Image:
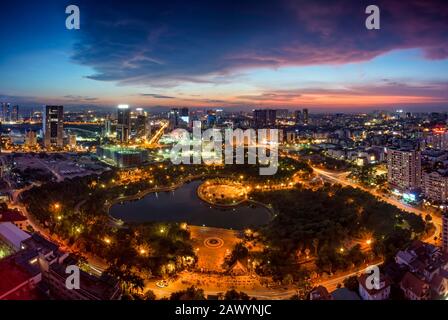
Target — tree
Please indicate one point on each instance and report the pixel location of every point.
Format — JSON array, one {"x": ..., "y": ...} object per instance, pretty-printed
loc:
[
  {"x": 149, "y": 295},
  {"x": 190, "y": 293},
  {"x": 235, "y": 295},
  {"x": 351, "y": 283}
]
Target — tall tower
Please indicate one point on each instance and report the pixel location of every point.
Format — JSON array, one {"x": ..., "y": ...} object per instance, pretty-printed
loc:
[
  {"x": 53, "y": 126},
  {"x": 305, "y": 116},
  {"x": 15, "y": 113},
  {"x": 174, "y": 117},
  {"x": 5, "y": 116},
  {"x": 141, "y": 126},
  {"x": 298, "y": 116},
  {"x": 404, "y": 169},
  {"x": 123, "y": 123}
]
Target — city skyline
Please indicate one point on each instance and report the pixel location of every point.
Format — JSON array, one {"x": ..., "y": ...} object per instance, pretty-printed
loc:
[{"x": 260, "y": 54}]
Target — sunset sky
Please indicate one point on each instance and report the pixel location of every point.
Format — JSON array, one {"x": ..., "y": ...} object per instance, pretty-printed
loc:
[{"x": 240, "y": 54}]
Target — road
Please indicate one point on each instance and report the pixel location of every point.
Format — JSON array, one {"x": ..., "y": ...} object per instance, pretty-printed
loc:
[{"x": 155, "y": 138}]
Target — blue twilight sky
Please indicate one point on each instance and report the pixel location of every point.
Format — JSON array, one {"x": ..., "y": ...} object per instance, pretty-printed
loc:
[{"x": 240, "y": 54}]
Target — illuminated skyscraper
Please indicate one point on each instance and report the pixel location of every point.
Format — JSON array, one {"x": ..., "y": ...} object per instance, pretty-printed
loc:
[
  {"x": 53, "y": 126},
  {"x": 123, "y": 123}
]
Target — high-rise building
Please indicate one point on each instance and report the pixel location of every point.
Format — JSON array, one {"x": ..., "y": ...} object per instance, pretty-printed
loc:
[
  {"x": 403, "y": 169},
  {"x": 14, "y": 117},
  {"x": 264, "y": 118},
  {"x": 435, "y": 186},
  {"x": 107, "y": 130},
  {"x": 282, "y": 113},
  {"x": 173, "y": 118},
  {"x": 123, "y": 123},
  {"x": 306, "y": 118},
  {"x": 184, "y": 115},
  {"x": 53, "y": 126},
  {"x": 5, "y": 112},
  {"x": 298, "y": 116},
  {"x": 141, "y": 126}
]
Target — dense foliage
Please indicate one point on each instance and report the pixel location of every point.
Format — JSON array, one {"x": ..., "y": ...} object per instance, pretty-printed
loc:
[{"x": 319, "y": 222}]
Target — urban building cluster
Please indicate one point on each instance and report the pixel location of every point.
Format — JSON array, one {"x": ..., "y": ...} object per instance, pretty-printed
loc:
[{"x": 36, "y": 269}]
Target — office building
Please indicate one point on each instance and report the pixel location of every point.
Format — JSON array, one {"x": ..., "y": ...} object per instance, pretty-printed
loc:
[
  {"x": 403, "y": 169},
  {"x": 53, "y": 126},
  {"x": 5, "y": 112},
  {"x": 264, "y": 118},
  {"x": 173, "y": 118},
  {"x": 123, "y": 123},
  {"x": 122, "y": 157},
  {"x": 298, "y": 116},
  {"x": 107, "y": 129},
  {"x": 306, "y": 118},
  {"x": 142, "y": 127},
  {"x": 14, "y": 117}
]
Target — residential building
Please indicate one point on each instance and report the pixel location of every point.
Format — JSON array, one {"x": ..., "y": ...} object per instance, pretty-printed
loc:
[
  {"x": 435, "y": 186},
  {"x": 13, "y": 235},
  {"x": 13, "y": 216},
  {"x": 320, "y": 293},
  {"x": 415, "y": 288},
  {"x": 382, "y": 293},
  {"x": 403, "y": 169}
]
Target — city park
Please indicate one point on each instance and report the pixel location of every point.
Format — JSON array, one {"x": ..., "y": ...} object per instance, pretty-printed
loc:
[{"x": 303, "y": 244}]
